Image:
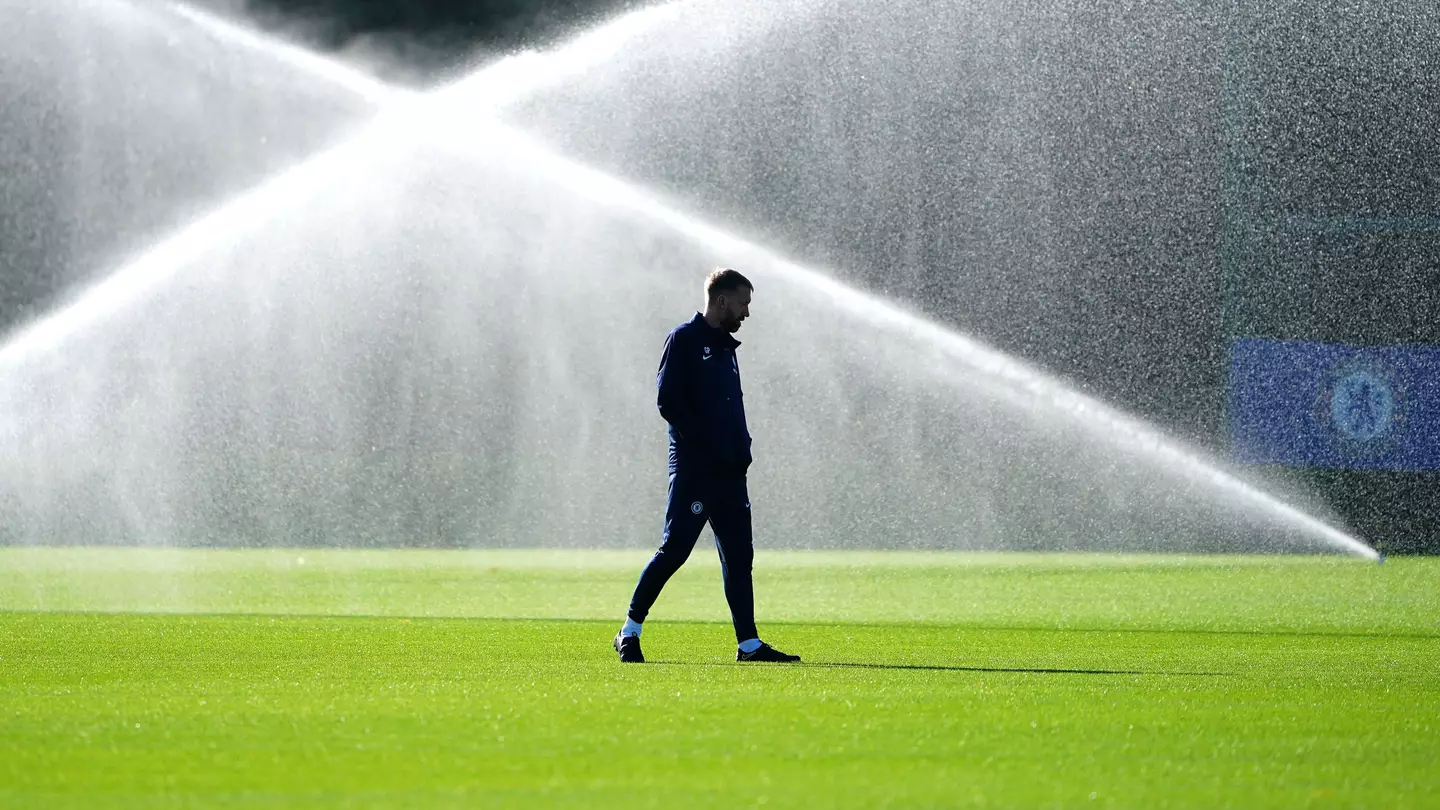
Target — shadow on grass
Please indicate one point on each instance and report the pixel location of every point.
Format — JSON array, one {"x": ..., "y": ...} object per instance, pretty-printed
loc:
[{"x": 948, "y": 668}]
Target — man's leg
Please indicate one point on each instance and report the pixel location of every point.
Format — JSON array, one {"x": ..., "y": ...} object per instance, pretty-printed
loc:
[
  {"x": 735, "y": 542},
  {"x": 683, "y": 523}
]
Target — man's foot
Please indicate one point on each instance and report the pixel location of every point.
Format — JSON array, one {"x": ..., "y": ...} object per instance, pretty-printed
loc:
[
  {"x": 629, "y": 649},
  {"x": 765, "y": 653}
]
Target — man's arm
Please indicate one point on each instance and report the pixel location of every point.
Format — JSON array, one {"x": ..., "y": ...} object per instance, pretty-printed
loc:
[{"x": 677, "y": 368}]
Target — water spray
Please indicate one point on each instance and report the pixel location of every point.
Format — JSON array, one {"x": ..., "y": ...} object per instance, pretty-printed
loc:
[
  {"x": 1020, "y": 383},
  {"x": 456, "y": 114},
  {"x": 400, "y": 113}
]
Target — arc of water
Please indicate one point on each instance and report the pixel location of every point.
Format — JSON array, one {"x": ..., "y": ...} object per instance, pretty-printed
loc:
[
  {"x": 1021, "y": 382},
  {"x": 399, "y": 112}
]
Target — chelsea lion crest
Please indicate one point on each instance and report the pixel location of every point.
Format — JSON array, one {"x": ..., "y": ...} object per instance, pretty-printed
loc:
[{"x": 1360, "y": 405}]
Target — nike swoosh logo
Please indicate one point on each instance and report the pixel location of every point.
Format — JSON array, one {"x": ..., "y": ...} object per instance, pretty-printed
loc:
[{"x": 707, "y": 357}]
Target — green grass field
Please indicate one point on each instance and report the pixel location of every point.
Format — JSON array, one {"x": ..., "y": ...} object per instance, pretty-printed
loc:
[{"x": 280, "y": 678}]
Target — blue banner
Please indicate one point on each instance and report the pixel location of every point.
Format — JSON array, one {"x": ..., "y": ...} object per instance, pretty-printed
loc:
[{"x": 1305, "y": 404}]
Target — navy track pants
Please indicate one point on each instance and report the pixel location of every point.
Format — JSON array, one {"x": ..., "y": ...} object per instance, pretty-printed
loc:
[{"x": 693, "y": 502}]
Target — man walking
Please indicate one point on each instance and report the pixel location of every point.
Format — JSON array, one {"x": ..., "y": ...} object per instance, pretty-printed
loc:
[{"x": 699, "y": 395}]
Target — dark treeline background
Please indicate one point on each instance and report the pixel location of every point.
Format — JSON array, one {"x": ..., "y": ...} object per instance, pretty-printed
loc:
[{"x": 434, "y": 36}]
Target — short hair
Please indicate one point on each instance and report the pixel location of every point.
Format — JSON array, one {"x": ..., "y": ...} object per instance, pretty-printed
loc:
[{"x": 724, "y": 280}]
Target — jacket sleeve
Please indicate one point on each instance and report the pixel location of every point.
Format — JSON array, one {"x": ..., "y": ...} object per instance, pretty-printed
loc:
[{"x": 677, "y": 369}]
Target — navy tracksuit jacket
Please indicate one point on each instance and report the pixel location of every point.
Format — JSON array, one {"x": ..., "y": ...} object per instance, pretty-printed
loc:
[{"x": 699, "y": 395}]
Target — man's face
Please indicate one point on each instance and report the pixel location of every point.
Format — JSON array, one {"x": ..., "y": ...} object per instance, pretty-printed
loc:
[{"x": 734, "y": 308}]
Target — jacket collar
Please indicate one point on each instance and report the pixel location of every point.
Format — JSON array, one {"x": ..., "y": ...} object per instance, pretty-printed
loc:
[{"x": 718, "y": 336}]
